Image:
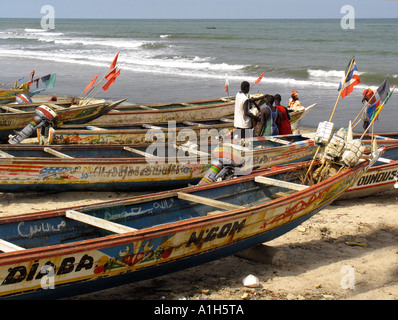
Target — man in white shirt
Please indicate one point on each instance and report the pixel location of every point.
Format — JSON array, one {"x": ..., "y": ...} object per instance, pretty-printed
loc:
[{"x": 242, "y": 116}]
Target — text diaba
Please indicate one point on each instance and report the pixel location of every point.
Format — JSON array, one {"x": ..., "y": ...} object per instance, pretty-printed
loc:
[
  {"x": 377, "y": 177},
  {"x": 21, "y": 273}
]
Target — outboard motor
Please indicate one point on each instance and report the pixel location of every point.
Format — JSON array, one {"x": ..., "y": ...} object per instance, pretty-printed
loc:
[
  {"x": 44, "y": 116},
  {"x": 23, "y": 98},
  {"x": 221, "y": 169}
]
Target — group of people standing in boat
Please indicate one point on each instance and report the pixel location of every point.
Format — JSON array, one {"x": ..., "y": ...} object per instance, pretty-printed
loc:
[{"x": 269, "y": 120}]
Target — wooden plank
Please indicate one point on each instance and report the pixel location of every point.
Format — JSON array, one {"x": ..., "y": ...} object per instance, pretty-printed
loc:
[
  {"x": 142, "y": 153},
  {"x": 10, "y": 109},
  {"x": 208, "y": 202},
  {"x": 57, "y": 153},
  {"x": 196, "y": 124},
  {"x": 148, "y": 126},
  {"x": 280, "y": 183},
  {"x": 6, "y": 246},
  {"x": 227, "y": 120},
  {"x": 194, "y": 151},
  {"x": 98, "y": 222},
  {"x": 385, "y": 160},
  {"x": 5, "y": 155},
  {"x": 277, "y": 140},
  {"x": 94, "y": 128},
  {"x": 147, "y": 108}
]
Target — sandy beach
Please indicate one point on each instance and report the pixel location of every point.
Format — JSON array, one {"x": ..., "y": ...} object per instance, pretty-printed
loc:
[{"x": 347, "y": 251}]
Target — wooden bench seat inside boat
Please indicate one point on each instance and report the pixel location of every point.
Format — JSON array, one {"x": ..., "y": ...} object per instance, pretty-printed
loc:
[
  {"x": 98, "y": 222},
  {"x": 280, "y": 183},
  {"x": 208, "y": 202},
  {"x": 6, "y": 246}
]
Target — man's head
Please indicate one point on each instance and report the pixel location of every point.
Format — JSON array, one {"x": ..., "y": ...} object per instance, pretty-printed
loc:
[
  {"x": 278, "y": 99},
  {"x": 269, "y": 100},
  {"x": 294, "y": 95},
  {"x": 245, "y": 87}
]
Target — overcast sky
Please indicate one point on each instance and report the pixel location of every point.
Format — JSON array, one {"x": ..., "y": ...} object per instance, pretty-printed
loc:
[{"x": 199, "y": 9}]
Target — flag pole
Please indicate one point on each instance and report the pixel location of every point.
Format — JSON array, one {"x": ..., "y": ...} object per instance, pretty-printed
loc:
[
  {"x": 331, "y": 117},
  {"x": 342, "y": 86},
  {"x": 363, "y": 109}
]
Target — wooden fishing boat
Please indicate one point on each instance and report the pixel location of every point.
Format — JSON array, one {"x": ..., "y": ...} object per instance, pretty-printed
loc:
[
  {"x": 296, "y": 116},
  {"x": 118, "y": 167},
  {"x": 15, "y": 118},
  {"x": 112, "y": 134},
  {"x": 76, "y": 250},
  {"x": 382, "y": 138},
  {"x": 381, "y": 177},
  {"x": 179, "y": 111},
  {"x": 88, "y": 134},
  {"x": 8, "y": 95}
]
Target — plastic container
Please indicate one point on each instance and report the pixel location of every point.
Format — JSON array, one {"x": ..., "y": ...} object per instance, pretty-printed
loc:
[{"x": 324, "y": 133}]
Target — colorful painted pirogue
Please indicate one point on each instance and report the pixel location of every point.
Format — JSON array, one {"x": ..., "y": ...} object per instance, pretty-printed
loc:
[
  {"x": 162, "y": 113},
  {"x": 382, "y": 176},
  {"x": 110, "y": 167},
  {"x": 115, "y": 134},
  {"x": 146, "y": 133},
  {"x": 71, "y": 251},
  {"x": 179, "y": 111},
  {"x": 14, "y": 117},
  {"x": 9, "y": 95}
]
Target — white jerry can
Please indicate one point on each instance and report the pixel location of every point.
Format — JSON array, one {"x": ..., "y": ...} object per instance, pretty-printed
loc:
[
  {"x": 352, "y": 152},
  {"x": 324, "y": 133},
  {"x": 335, "y": 147}
]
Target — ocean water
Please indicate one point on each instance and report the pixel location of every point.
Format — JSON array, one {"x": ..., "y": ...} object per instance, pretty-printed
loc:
[{"x": 179, "y": 60}]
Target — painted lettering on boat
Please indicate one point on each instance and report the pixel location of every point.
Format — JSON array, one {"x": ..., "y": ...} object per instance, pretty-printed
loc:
[
  {"x": 73, "y": 173},
  {"x": 29, "y": 230},
  {"x": 227, "y": 229},
  {"x": 68, "y": 265},
  {"x": 367, "y": 179}
]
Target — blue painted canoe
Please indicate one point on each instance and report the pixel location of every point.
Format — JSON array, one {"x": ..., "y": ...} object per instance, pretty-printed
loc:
[
  {"x": 119, "y": 167},
  {"x": 75, "y": 250}
]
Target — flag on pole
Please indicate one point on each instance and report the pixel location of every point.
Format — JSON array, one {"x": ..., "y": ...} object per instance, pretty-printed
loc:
[
  {"x": 49, "y": 80},
  {"x": 350, "y": 79},
  {"x": 113, "y": 64},
  {"x": 91, "y": 83},
  {"x": 226, "y": 89},
  {"x": 110, "y": 74},
  {"x": 380, "y": 107},
  {"x": 384, "y": 89},
  {"x": 383, "y": 92},
  {"x": 259, "y": 78},
  {"x": 110, "y": 82}
]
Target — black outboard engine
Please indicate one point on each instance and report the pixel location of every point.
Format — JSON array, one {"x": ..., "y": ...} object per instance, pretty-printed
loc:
[{"x": 44, "y": 116}]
